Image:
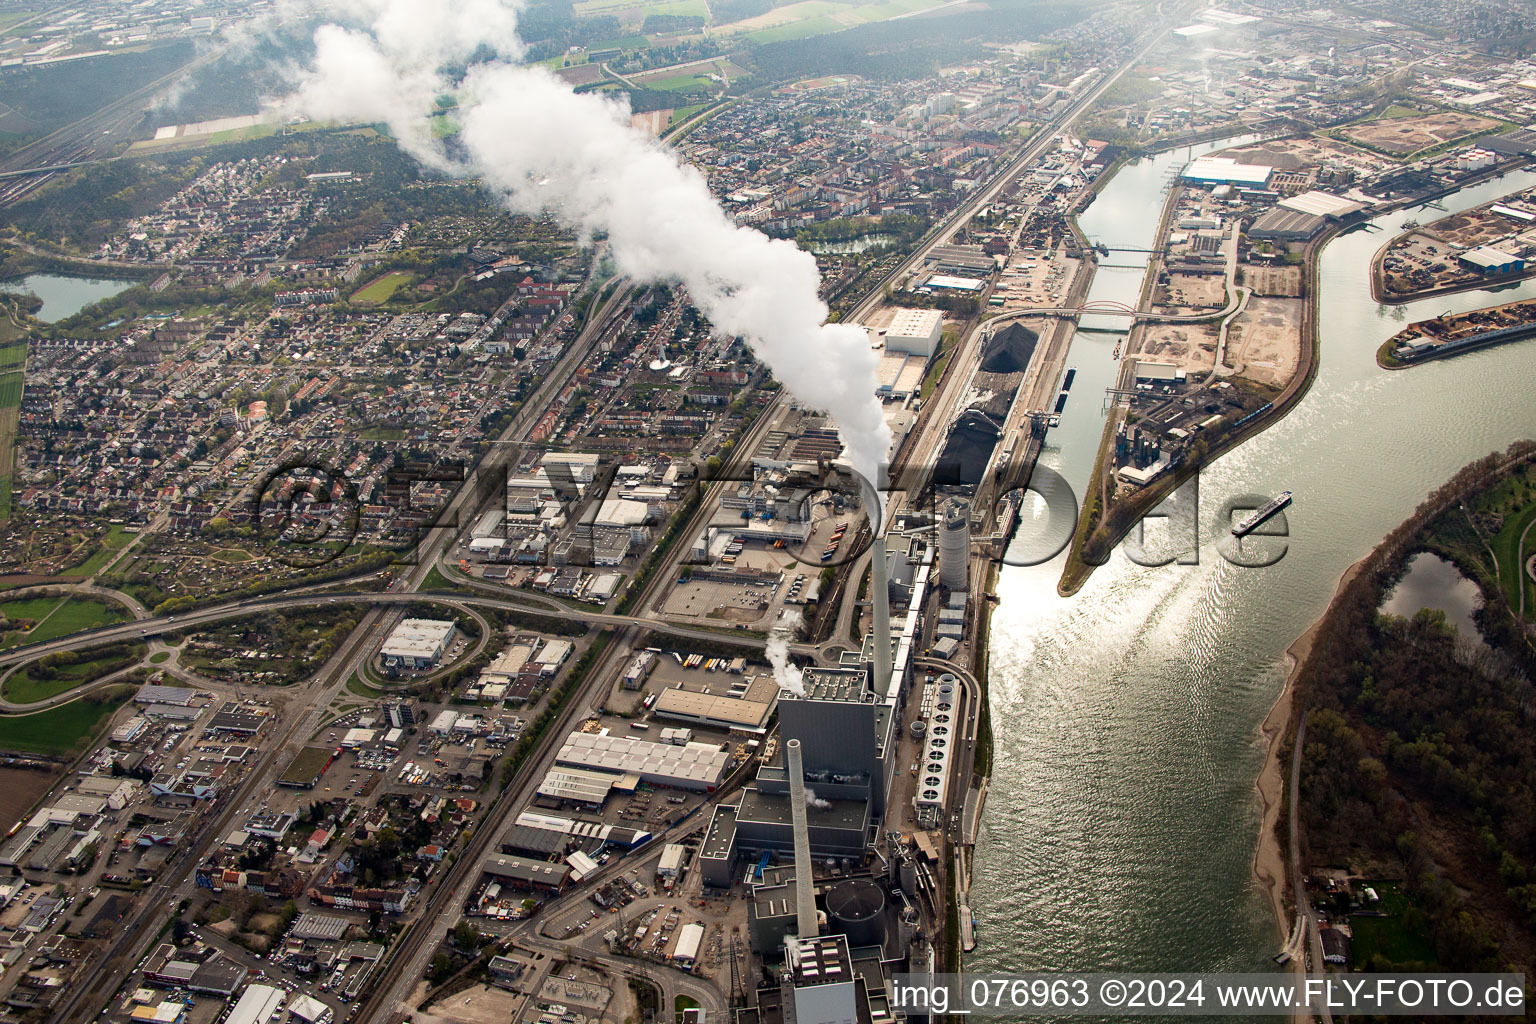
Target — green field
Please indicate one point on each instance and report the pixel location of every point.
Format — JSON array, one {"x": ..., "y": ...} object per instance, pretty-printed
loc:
[
  {"x": 246, "y": 134},
  {"x": 56, "y": 617},
  {"x": 111, "y": 544},
  {"x": 678, "y": 8},
  {"x": 1402, "y": 937},
  {"x": 58, "y": 730},
  {"x": 796, "y": 30},
  {"x": 233, "y": 555},
  {"x": 382, "y": 433},
  {"x": 678, "y": 83},
  {"x": 10, "y": 18},
  {"x": 621, "y": 43},
  {"x": 682, "y": 114},
  {"x": 10, "y": 411},
  {"x": 381, "y": 289},
  {"x": 820, "y": 17},
  {"x": 34, "y": 608}
]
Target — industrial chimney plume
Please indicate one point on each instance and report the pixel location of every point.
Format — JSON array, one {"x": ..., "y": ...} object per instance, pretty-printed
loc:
[{"x": 541, "y": 148}]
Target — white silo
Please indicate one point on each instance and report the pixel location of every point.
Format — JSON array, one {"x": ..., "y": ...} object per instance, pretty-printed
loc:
[{"x": 955, "y": 545}]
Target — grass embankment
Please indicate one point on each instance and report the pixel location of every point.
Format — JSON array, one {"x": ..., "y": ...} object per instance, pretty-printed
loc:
[
  {"x": 981, "y": 667},
  {"x": 54, "y": 617},
  {"x": 58, "y": 673},
  {"x": 936, "y": 371},
  {"x": 435, "y": 580},
  {"x": 359, "y": 686}
]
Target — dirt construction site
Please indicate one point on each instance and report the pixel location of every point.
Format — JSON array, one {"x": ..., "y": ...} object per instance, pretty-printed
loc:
[
  {"x": 1401, "y": 136},
  {"x": 1192, "y": 347},
  {"x": 1264, "y": 342},
  {"x": 1283, "y": 282}
]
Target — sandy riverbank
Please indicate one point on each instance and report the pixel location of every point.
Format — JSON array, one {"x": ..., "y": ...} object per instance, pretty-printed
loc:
[{"x": 1269, "y": 866}]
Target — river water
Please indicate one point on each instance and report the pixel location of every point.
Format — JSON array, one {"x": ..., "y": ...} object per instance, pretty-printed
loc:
[{"x": 1122, "y": 819}]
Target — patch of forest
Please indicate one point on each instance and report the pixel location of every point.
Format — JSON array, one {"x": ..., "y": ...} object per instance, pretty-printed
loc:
[{"x": 1420, "y": 761}]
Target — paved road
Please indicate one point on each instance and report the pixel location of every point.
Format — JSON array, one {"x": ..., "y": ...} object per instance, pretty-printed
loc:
[
  {"x": 385, "y": 601},
  {"x": 1528, "y": 565},
  {"x": 1304, "y": 906}
]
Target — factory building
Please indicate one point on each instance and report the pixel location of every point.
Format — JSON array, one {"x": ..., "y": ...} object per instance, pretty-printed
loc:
[
  {"x": 915, "y": 332},
  {"x": 695, "y": 766},
  {"x": 1491, "y": 262},
  {"x": 844, "y": 729},
  {"x": 841, "y": 722},
  {"x": 417, "y": 644},
  {"x": 822, "y": 985},
  {"x": 575, "y": 467},
  {"x": 257, "y": 1005},
  {"x": 1221, "y": 170},
  {"x": 523, "y": 873},
  {"x": 714, "y": 710}
]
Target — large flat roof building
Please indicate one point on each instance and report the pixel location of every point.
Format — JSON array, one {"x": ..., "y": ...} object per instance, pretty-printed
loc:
[
  {"x": 417, "y": 643},
  {"x": 736, "y": 713},
  {"x": 1223, "y": 170},
  {"x": 257, "y": 1005},
  {"x": 915, "y": 331},
  {"x": 526, "y": 873},
  {"x": 696, "y": 766}
]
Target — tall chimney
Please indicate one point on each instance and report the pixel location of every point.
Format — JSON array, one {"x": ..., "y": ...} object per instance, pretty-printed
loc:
[
  {"x": 805, "y": 893},
  {"x": 880, "y": 584}
]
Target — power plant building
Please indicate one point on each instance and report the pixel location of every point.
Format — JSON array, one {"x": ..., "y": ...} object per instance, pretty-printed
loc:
[{"x": 845, "y": 731}]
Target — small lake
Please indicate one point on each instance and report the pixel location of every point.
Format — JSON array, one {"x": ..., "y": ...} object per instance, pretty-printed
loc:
[
  {"x": 1432, "y": 582},
  {"x": 64, "y": 296}
]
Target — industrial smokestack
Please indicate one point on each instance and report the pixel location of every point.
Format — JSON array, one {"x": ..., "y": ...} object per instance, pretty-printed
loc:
[
  {"x": 805, "y": 894},
  {"x": 880, "y": 584}
]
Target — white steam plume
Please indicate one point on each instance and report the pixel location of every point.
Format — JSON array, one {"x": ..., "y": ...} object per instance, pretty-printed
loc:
[
  {"x": 786, "y": 673},
  {"x": 543, "y": 148},
  {"x": 816, "y": 802}
]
